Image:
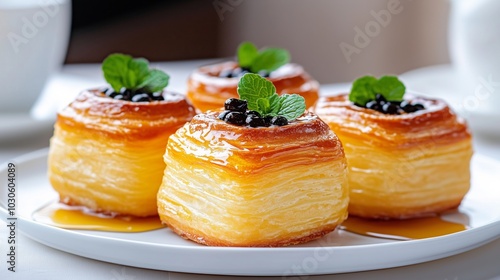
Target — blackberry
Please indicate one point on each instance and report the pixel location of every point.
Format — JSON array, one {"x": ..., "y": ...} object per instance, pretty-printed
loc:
[
  {"x": 380, "y": 98},
  {"x": 279, "y": 121},
  {"x": 222, "y": 115},
  {"x": 237, "y": 105},
  {"x": 236, "y": 118},
  {"x": 141, "y": 97},
  {"x": 374, "y": 105},
  {"x": 254, "y": 113},
  {"x": 390, "y": 109},
  {"x": 158, "y": 96},
  {"x": 255, "y": 121}
]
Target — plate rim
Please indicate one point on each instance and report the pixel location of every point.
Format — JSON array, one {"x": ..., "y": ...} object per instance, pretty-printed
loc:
[{"x": 489, "y": 232}]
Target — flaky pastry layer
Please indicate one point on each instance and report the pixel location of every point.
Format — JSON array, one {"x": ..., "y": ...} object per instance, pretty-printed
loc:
[
  {"x": 401, "y": 166},
  {"x": 107, "y": 154},
  {"x": 227, "y": 185},
  {"x": 207, "y": 91}
]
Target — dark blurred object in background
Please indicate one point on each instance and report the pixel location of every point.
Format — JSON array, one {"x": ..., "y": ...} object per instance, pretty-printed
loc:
[
  {"x": 313, "y": 32},
  {"x": 157, "y": 29}
]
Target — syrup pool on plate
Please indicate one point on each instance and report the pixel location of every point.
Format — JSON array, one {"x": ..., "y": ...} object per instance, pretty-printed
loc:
[
  {"x": 77, "y": 217},
  {"x": 416, "y": 228}
]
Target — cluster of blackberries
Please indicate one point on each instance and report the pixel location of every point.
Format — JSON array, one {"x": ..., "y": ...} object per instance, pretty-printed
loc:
[
  {"x": 240, "y": 71},
  {"x": 237, "y": 113},
  {"x": 381, "y": 105},
  {"x": 134, "y": 96}
]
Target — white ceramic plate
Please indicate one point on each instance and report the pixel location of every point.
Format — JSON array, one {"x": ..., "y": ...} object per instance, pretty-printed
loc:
[
  {"x": 338, "y": 252},
  {"x": 442, "y": 81}
]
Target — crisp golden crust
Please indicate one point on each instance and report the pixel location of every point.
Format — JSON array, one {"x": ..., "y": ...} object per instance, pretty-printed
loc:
[
  {"x": 93, "y": 112},
  {"x": 436, "y": 125},
  {"x": 207, "y": 91},
  {"x": 242, "y": 149},
  {"x": 401, "y": 166},
  {"x": 107, "y": 154},
  {"x": 230, "y": 185}
]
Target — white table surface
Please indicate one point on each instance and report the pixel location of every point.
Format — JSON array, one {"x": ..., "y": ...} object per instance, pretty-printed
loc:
[{"x": 37, "y": 261}]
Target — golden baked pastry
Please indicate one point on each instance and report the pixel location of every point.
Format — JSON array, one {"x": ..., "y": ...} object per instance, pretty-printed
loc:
[
  {"x": 402, "y": 165},
  {"x": 229, "y": 185},
  {"x": 209, "y": 86},
  {"x": 106, "y": 154}
]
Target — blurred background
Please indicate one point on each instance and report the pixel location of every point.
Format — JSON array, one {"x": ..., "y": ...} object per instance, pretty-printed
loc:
[{"x": 335, "y": 40}]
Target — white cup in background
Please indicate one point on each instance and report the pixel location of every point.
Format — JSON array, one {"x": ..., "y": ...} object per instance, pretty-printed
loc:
[
  {"x": 474, "y": 45},
  {"x": 34, "y": 37}
]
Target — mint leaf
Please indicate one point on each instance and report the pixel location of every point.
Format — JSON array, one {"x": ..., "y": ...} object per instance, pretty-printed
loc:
[
  {"x": 269, "y": 106},
  {"x": 137, "y": 70},
  {"x": 263, "y": 105},
  {"x": 366, "y": 88},
  {"x": 275, "y": 105},
  {"x": 362, "y": 90},
  {"x": 115, "y": 68},
  {"x": 292, "y": 106},
  {"x": 261, "y": 96},
  {"x": 390, "y": 87},
  {"x": 269, "y": 60},
  {"x": 155, "y": 81},
  {"x": 251, "y": 87},
  {"x": 123, "y": 71},
  {"x": 247, "y": 52}
]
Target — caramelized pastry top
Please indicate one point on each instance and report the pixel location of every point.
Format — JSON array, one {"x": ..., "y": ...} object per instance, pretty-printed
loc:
[
  {"x": 436, "y": 124},
  {"x": 94, "y": 111},
  {"x": 247, "y": 150},
  {"x": 206, "y": 89},
  {"x": 293, "y": 73}
]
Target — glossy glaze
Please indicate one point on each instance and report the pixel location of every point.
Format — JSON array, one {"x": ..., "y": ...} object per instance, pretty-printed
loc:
[
  {"x": 435, "y": 125},
  {"x": 78, "y": 217},
  {"x": 92, "y": 112},
  {"x": 418, "y": 228},
  {"x": 245, "y": 149}
]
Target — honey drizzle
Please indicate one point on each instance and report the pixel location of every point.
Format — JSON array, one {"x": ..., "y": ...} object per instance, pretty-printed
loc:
[
  {"x": 417, "y": 228},
  {"x": 76, "y": 217}
]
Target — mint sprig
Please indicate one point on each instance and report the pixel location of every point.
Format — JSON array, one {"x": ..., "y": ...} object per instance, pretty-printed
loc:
[
  {"x": 124, "y": 71},
  {"x": 261, "y": 96},
  {"x": 366, "y": 88},
  {"x": 247, "y": 52},
  {"x": 268, "y": 59}
]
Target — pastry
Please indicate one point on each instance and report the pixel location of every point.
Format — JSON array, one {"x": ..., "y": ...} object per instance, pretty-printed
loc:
[
  {"x": 245, "y": 178},
  {"x": 209, "y": 86},
  {"x": 106, "y": 152},
  {"x": 407, "y": 155}
]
